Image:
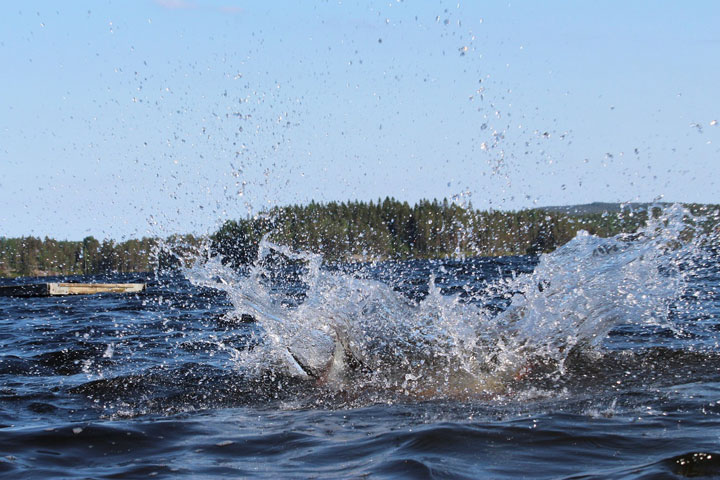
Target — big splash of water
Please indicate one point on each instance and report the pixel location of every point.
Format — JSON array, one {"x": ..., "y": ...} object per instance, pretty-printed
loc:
[{"x": 356, "y": 335}]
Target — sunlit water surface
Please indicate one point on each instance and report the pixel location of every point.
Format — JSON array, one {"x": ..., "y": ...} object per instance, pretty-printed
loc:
[{"x": 600, "y": 360}]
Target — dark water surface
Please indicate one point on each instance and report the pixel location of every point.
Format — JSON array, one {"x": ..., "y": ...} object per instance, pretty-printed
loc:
[{"x": 151, "y": 386}]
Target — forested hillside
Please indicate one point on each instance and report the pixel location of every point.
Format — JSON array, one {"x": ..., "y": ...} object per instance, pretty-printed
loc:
[
  {"x": 347, "y": 231},
  {"x": 32, "y": 256},
  {"x": 390, "y": 229}
]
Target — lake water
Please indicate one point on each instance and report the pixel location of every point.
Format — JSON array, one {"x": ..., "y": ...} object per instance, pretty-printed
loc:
[{"x": 600, "y": 360}]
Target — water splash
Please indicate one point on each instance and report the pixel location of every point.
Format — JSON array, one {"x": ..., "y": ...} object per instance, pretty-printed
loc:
[
  {"x": 346, "y": 333},
  {"x": 578, "y": 293}
]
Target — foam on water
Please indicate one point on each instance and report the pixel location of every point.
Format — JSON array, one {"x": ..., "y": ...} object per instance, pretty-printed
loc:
[{"x": 353, "y": 334}]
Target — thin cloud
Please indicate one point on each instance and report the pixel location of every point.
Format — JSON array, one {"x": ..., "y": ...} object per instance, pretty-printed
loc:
[
  {"x": 175, "y": 4},
  {"x": 230, "y": 9},
  {"x": 187, "y": 5}
]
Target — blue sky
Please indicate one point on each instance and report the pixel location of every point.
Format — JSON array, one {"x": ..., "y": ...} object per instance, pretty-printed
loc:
[{"x": 128, "y": 118}]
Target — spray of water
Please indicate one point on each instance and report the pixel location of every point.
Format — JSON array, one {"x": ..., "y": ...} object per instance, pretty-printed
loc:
[{"x": 353, "y": 334}]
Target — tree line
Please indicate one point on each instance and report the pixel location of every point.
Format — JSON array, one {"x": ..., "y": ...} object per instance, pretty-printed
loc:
[
  {"x": 341, "y": 232},
  {"x": 391, "y": 229},
  {"x": 32, "y": 256}
]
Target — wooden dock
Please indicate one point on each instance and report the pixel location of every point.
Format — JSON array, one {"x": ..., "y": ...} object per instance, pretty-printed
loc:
[{"x": 55, "y": 289}]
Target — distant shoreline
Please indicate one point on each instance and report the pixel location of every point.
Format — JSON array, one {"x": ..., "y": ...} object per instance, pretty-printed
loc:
[{"x": 343, "y": 232}]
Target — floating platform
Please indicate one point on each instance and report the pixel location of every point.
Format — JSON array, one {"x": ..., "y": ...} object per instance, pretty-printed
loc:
[{"x": 56, "y": 289}]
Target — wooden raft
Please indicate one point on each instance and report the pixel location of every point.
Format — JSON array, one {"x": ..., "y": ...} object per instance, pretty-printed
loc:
[{"x": 53, "y": 289}]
